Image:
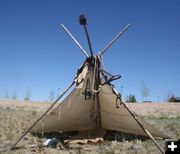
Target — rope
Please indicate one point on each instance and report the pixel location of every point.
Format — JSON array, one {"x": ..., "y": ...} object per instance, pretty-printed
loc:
[
  {"x": 118, "y": 95},
  {"x": 59, "y": 114},
  {"x": 94, "y": 78},
  {"x": 42, "y": 127},
  {"x": 69, "y": 103},
  {"x": 35, "y": 131},
  {"x": 87, "y": 93}
]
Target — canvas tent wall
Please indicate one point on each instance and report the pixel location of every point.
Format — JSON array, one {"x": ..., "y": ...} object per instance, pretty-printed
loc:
[
  {"x": 75, "y": 112},
  {"x": 120, "y": 119}
]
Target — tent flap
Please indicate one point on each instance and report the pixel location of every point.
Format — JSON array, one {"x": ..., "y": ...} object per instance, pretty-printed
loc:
[
  {"x": 73, "y": 114},
  {"x": 119, "y": 119}
]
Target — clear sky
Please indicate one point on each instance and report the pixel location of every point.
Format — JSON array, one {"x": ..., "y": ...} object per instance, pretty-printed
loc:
[{"x": 36, "y": 54}]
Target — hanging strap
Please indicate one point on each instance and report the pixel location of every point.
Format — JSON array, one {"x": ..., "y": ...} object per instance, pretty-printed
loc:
[
  {"x": 94, "y": 78},
  {"x": 110, "y": 78}
]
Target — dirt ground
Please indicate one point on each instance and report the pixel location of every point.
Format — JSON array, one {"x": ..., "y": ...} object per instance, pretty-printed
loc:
[
  {"x": 16, "y": 116},
  {"x": 143, "y": 109}
]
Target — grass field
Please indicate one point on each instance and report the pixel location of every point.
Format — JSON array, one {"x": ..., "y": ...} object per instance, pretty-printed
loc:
[{"x": 15, "y": 119}]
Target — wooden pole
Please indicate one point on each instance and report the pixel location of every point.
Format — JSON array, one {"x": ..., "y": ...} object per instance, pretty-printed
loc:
[
  {"x": 83, "y": 21},
  {"x": 144, "y": 129},
  {"x": 116, "y": 37},
  {"x": 75, "y": 41},
  {"x": 32, "y": 126}
]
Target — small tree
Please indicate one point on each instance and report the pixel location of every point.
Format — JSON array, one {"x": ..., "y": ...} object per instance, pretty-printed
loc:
[
  {"x": 131, "y": 99},
  {"x": 6, "y": 94},
  {"x": 51, "y": 95},
  {"x": 27, "y": 95},
  {"x": 145, "y": 91},
  {"x": 169, "y": 95},
  {"x": 14, "y": 95}
]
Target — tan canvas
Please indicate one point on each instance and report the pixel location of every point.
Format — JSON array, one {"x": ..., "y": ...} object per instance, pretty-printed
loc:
[
  {"x": 76, "y": 114},
  {"x": 119, "y": 119},
  {"x": 71, "y": 115}
]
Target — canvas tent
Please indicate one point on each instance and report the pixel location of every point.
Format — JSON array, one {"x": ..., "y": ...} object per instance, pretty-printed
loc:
[
  {"x": 94, "y": 103},
  {"x": 75, "y": 113}
]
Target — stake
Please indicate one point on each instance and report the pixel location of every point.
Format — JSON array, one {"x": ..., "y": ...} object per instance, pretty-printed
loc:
[
  {"x": 32, "y": 126},
  {"x": 75, "y": 41},
  {"x": 144, "y": 129},
  {"x": 116, "y": 37}
]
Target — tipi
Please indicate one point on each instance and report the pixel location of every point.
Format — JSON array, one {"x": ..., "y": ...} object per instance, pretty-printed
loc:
[{"x": 94, "y": 104}]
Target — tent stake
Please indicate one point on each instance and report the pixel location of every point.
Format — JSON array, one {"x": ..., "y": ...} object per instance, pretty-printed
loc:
[
  {"x": 32, "y": 126},
  {"x": 144, "y": 129}
]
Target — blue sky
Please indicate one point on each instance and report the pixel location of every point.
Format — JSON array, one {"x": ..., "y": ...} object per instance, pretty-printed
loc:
[{"x": 36, "y": 54}]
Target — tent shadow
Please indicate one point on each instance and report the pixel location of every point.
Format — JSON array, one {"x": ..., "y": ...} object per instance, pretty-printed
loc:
[
  {"x": 59, "y": 136},
  {"x": 109, "y": 135},
  {"x": 120, "y": 136},
  {"x": 17, "y": 148}
]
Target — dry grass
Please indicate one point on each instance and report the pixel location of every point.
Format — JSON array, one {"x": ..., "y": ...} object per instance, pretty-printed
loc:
[{"x": 14, "y": 120}]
